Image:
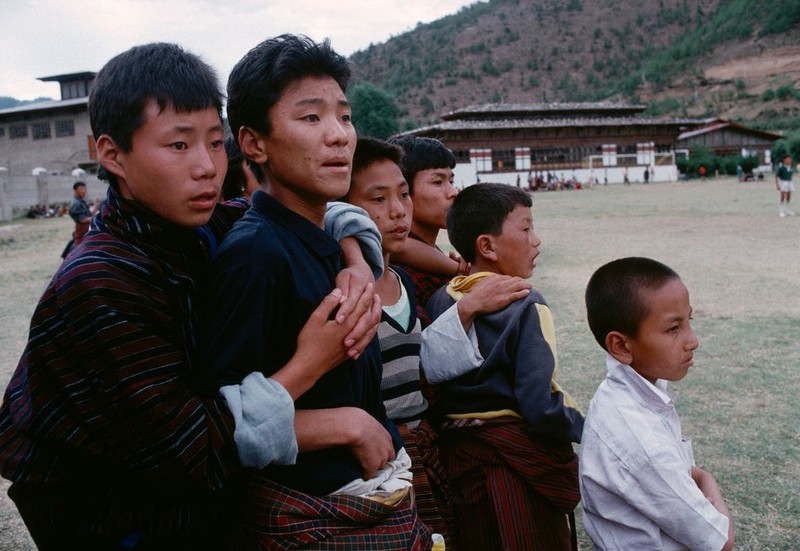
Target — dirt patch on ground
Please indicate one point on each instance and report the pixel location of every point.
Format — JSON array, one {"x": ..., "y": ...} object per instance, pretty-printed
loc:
[{"x": 783, "y": 62}]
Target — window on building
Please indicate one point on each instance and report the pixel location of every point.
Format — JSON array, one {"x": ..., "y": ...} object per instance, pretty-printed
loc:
[
  {"x": 41, "y": 130},
  {"x": 17, "y": 131},
  {"x": 522, "y": 158},
  {"x": 504, "y": 160},
  {"x": 2, "y": 131},
  {"x": 65, "y": 128},
  {"x": 482, "y": 159}
]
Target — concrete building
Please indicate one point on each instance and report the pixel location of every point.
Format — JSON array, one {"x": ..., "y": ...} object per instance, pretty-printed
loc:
[
  {"x": 42, "y": 144},
  {"x": 54, "y": 135}
]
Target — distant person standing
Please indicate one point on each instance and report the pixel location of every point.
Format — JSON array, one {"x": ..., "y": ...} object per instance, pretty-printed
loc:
[
  {"x": 783, "y": 181},
  {"x": 646, "y": 174},
  {"x": 80, "y": 212}
]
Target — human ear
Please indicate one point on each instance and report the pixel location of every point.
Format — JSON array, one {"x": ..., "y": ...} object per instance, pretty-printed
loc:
[
  {"x": 252, "y": 144},
  {"x": 484, "y": 247},
  {"x": 617, "y": 344},
  {"x": 108, "y": 154}
]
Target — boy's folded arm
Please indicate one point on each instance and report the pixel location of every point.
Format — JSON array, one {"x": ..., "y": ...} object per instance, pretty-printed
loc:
[
  {"x": 366, "y": 438},
  {"x": 652, "y": 479},
  {"x": 708, "y": 485}
]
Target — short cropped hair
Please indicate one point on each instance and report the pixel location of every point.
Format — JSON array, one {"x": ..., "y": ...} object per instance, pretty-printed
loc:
[
  {"x": 159, "y": 71},
  {"x": 259, "y": 79},
  {"x": 78, "y": 184},
  {"x": 481, "y": 209},
  {"x": 422, "y": 154},
  {"x": 615, "y": 295}
]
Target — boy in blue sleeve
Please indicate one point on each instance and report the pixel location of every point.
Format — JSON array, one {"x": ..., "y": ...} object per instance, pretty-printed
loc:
[{"x": 287, "y": 105}]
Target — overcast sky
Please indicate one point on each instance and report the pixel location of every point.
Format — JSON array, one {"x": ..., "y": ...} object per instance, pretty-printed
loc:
[{"x": 40, "y": 38}]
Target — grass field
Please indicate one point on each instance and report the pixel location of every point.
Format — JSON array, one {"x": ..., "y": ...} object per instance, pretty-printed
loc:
[{"x": 741, "y": 263}]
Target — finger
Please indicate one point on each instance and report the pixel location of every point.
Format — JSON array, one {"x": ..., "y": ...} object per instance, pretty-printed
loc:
[
  {"x": 355, "y": 306},
  {"x": 364, "y": 330},
  {"x": 327, "y": 307}
]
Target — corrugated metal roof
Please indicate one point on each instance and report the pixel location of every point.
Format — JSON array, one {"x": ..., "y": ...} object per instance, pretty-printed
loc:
[{"x": 44, "y": 106}]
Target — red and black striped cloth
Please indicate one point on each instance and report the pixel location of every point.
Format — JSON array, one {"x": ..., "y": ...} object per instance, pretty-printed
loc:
[{"x": 510, "y": 490}]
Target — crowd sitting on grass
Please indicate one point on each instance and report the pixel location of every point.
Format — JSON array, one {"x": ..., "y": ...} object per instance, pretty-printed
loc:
[{"x": 48, "y": 211}]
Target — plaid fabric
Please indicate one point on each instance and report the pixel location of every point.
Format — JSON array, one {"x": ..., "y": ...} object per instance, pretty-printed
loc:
[
  {"x": 509, "y": 490},
  {"x": 435, "y": 510},
  {"x": 278, "y": 518}
]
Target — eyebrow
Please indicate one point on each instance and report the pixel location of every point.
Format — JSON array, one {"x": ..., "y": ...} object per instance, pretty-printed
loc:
[{"x": 320, "y": 101}]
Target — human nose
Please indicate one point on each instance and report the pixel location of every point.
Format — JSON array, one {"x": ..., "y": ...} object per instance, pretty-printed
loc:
[
  {"x": 535, "y": 241},
  {"x": 396, "y": 209},
  {"x": 451, "y": 190},
  {"x": 693, "y": 342},
  {"x": 205, "y": 167},
  {"x": 339, "y": 133}
]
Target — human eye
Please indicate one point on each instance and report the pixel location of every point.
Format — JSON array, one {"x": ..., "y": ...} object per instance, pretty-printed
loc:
[
  {"x": 378, "y": 199},
  {"x": 179, "y": 146},
  {"x": 216, "y": 145},
  {"x": 347, "y": 117},
  {"x": 311, "y": 117}
]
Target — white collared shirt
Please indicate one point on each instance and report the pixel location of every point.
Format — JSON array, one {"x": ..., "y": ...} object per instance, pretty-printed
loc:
[{"x": 635, "y": 471}]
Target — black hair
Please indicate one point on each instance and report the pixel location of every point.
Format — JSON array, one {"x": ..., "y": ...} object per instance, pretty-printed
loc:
[
  {"x": 481, "y": 209},
  {"x": 422, "y": 154},
  {"x": 159, "y": 71},
  {"x": 615, "y": 299},
  {"x": 259, "y": 79},
  {"x": 370, "y": 150},
  {"x": 235, "y": 180},
  {"x": 78, "y": 184}
]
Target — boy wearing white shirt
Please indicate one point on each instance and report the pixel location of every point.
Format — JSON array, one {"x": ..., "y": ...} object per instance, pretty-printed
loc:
[{"x": 639, "y": 486}]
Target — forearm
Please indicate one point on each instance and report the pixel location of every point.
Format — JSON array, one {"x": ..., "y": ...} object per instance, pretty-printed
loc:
[
  {"x": 708, "y": 485},
  {"x": 318, "y": 429},
  {"x": 424, "y": 258}
]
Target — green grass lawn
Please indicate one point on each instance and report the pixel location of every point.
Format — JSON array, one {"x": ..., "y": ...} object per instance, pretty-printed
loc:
[{"x": 741, "y": 263}]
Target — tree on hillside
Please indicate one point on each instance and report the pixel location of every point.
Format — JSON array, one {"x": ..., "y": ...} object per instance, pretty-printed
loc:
[{"x": 375, "y": 112}]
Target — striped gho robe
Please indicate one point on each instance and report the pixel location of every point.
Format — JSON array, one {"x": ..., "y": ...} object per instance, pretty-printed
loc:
[{"x": 100, "y": 432}]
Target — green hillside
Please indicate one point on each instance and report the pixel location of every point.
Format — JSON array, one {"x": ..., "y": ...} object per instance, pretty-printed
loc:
[{"x": 663, "y": 53}]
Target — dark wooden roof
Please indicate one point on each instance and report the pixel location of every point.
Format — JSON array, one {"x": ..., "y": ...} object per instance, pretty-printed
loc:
[{"x": 494, "y": 111}]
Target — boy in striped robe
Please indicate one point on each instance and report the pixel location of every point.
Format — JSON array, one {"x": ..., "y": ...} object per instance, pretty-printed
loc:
[{"x": 506, "y": 438}]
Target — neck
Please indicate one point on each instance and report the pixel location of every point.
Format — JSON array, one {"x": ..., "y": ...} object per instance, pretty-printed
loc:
[
  {"x": 387, "y": 286},
  {"x": 428, "y": 234},
  {"x": 311, "y": 209},
  {"x": 483, "y": 265}
]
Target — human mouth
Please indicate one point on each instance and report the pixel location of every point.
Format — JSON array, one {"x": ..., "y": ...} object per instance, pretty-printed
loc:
[
  {"x": 400, "y": 231},
  {"x": 204, "y": 201},
  {"x": 337, "y": 164}
]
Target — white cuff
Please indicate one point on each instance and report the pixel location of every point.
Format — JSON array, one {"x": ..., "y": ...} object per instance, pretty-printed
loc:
[
  {"x": 264, "y": 416},
  {"x": 448, "y": 351}
]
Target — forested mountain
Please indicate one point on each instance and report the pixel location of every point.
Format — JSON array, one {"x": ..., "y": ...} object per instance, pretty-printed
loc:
[{"x": 738, "y": 59}]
